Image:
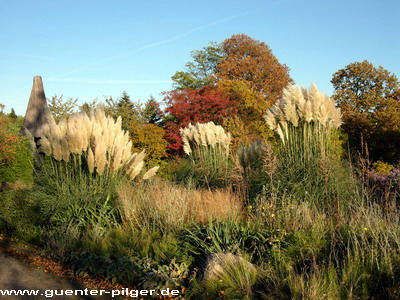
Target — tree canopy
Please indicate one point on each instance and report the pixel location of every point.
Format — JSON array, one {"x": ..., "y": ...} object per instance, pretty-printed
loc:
[
  {"x": 252, "y": 61},
  {"x": 194, "y": 106},
  {"x": 369, "y": 99},
  {"x": 201, "y": 71}
]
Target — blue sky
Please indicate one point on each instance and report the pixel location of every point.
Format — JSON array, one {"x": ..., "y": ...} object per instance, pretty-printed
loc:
[{"x": 88, "y": 49}]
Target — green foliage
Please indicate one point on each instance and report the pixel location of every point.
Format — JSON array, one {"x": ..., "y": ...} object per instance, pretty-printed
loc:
[
  {"x": 149, "y": 137},
  {"x": 229, "y": 275},
  {"x": 200, "y": 72},
  {"x": 133, "y": 112},
  {"x": 230, "y": 236},
  {"x": 247, "y": 124},
  {"x": 382, "y": 168},
  {"x": 206, "y": 173},
  {"x": 123, "y": 107},
  {"x": 61, "y": 108},
  {"x": 369, "y": 101},
  {"x": 72, "y": 197},
  {"x": 20, "y": 215},
  {"x": 21, "y": 167},
  {"x": 12, "y": 114},
  {"x": 16, "y": 160}
]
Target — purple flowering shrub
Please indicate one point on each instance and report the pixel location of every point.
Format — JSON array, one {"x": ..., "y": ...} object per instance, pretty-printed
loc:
[{"x": 385, "y": 187}]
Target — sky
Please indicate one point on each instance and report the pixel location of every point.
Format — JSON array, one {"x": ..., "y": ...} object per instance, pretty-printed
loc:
[{"x": 91, "y": 49}]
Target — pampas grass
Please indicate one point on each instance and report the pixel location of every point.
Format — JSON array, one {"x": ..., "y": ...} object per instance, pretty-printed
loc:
[
  {"x": 307, "y": 123},
  {"x": 100, "y": 140},
  {"x": 197, "y": 138},
  {"x": 207, "y": 146}
]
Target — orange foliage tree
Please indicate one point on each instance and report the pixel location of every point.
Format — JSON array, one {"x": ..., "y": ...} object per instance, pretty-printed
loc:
[
  {"x": 369, "y": 99},
  {"x": 252, "y": 61}
]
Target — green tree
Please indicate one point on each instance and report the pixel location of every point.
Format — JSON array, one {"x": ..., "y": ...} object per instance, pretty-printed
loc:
[
  {"x": 151, "y": 113},
  {"x": 369, "y": 99},
  {"x": 87, "y": 106},
  {"x": 201, "y": 71},
  {"x": 61, "y": 108},
  {"x": 12, "y": 114},
  {"x": 124, "y": 107}
]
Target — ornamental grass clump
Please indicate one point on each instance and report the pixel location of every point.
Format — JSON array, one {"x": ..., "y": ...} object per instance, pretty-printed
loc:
[
  {"x": 207, "y": 146},
  {"x": 96, "y": 141},
  {"x": 305, "y": 120},
  {"x": 307, "y": 123},
  {"x": 85, "y": 156}
]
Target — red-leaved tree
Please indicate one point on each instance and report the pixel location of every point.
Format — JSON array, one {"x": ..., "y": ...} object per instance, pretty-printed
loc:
[{"x": 193, "y": 106}]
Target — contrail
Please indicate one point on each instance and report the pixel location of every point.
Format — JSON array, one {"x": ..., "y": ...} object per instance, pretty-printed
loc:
[
  {"x": 171, "y": 39},
  {"x": 166, "y": 41},
  {"x": 31, "y": 56},
  {"x": 107, "y": 81}
]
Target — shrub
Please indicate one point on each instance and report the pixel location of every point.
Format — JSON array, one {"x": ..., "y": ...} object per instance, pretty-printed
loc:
[
  {"x": 20, "y": 215},
  {"x": 385, "y": 188},
  {"x": 16, "y": 161}
]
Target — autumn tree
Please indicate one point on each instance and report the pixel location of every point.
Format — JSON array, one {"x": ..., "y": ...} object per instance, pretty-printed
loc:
[
  {"x": 248, "y": 123},
  {"x": 151, "y": 138},
  {"x": 252, "y": 61},
  {"x": 201, "y": 71},
  {"x": 369, "y": 99},
  {"x": 193, "y": 106},
  {"x": 60, "y": 107}
]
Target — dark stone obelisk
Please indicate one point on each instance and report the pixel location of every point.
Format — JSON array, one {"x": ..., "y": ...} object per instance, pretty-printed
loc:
[{"x": 37, "y": 112}]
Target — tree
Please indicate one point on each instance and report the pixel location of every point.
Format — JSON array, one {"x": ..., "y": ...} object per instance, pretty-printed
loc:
[
  {"x": 369, "y": 99},
  {"x": 151, "y": 113},
  {"x": 61, "y": 108},
  {"x": 124, "y": 107},
  {"x": 2, "y": 106},
  {"x": 151, "y": 138},
  {"x": 12, "y": 114},
  {"x": 248, "y": 123},
  {"x": 252, "y": 61},
  {"x": 201, "y": 72},
  {"x": 194, "y": 106},
  {"x": 88, "y": 106}
]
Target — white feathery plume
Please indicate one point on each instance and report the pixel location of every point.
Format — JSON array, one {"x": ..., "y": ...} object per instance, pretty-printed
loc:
[
  {"x": 90, "y": 160},
  {"x": 64, "y": 150},
  {"x": 150, "y": 173},
  {"x": 45, "y": 146}
]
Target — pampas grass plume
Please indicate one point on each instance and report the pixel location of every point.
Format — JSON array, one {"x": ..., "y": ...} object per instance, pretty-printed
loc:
[{"x": 150, "y": 173}]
